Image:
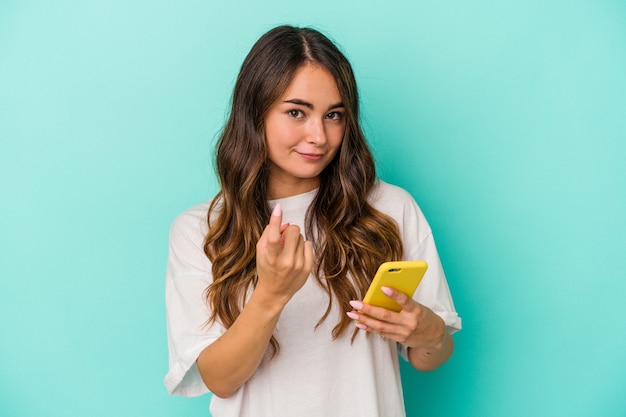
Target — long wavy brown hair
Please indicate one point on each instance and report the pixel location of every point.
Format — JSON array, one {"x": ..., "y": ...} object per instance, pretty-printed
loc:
[{"x": 351, "y": 238}]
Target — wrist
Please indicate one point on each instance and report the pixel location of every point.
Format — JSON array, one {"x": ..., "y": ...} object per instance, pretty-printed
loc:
[
  {"x": 267, "y": 302},
  {"x": 434, "y": 336},
  {"x": 429, "y": 358},
  {"x": 441, "y": 333}
]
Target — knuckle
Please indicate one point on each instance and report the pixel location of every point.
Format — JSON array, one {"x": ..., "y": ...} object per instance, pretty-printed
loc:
[
  {"x": 292, "y": 230},
  {"x": 405, "y": 332},
  {"x": 372, "y": 325},
  {"x": 285, "y": 263},
  {"x": 386, "y": 315}
]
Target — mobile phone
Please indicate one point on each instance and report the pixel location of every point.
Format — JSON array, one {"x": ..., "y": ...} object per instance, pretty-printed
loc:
[{"x": 403, "y": 276}]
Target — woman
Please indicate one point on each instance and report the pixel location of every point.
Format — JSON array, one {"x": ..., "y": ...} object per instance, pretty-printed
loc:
[{"x": 264, "y": 282}]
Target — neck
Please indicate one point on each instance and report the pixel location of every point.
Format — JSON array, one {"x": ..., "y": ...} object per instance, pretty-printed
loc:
[{"x": 279, "y": 189}]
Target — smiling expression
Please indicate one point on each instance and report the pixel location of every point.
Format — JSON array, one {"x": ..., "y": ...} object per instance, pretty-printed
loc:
[{"x": 303, "y": 131}]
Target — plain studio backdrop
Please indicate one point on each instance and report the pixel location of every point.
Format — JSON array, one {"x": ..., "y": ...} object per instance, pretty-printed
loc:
[{"x": 506, "y": 120}]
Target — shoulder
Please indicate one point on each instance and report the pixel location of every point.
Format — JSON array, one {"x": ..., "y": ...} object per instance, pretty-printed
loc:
[
  {"x": 384, "y": 193},
  {"x": 398, "y": 203},
  {"x": 191, "y": 221},
  {"x": 186, "y": 243},
  {"x": 189, "y": 229},
  {"x": 393, "y": 200}
]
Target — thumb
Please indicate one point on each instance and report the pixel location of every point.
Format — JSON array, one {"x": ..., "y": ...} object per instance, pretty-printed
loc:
[{"x": 403, "y": 300}]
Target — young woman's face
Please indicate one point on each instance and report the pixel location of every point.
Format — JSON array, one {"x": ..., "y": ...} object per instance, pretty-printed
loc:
[{"x": 303, "y": 131}]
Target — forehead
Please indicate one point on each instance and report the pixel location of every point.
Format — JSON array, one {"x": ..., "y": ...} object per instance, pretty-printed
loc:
[{"x": 313, "y": 82}]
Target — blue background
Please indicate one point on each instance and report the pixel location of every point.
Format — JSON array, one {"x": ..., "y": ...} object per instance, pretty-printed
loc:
[{"x": 506, "y": 120}]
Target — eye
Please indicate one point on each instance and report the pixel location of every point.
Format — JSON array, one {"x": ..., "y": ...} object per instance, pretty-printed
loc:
[
  {"x": 335, "y": 115},
  {"x": 296, "y": 114}
]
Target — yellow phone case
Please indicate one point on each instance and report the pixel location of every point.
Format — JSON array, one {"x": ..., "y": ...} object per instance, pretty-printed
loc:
[{"x": 403, "y": 276}]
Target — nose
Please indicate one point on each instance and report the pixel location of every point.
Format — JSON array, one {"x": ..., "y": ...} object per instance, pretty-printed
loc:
[{"x": 316, "y": 132}]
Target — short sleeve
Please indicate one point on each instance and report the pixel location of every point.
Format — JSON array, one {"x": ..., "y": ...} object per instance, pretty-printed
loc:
[
  {"x": 419, "y": 244},
  {"x": 187, "y": 277},
  {"x": 433, "y": 291}
]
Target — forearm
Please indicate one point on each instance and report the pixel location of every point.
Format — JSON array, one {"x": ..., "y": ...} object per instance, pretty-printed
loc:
[
  {"x": 428, "y": 359},
  {"x": 232, "y": 359}
]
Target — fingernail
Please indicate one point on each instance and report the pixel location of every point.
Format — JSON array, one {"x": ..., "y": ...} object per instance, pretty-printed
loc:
[
  {"x": 361, "y": 326},
  {"x": 278, "y": 211},
  {"x": 357, "y": 305},
  {"x": 388, "y": 291},
  {"x": 352, "y": 315}
]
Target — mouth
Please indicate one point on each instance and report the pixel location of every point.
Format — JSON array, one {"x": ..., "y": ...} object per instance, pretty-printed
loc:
[{"x": 311, "y": 156}]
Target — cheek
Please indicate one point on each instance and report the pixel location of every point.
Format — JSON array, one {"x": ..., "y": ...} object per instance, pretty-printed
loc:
[
  {"x": 335, "y": 136},
  {"x": 279, "y": 134},
  {"x": 272, "y": 134}
]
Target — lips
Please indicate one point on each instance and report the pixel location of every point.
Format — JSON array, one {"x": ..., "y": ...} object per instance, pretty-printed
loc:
[{"x": 311, "y": 156}]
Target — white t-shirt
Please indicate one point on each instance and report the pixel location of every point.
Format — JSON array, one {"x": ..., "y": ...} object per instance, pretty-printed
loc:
[{"x": 313, "y": 375}]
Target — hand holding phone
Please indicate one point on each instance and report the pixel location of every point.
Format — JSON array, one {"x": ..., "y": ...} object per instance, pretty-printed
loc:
[{"x": 403, "y": 276}]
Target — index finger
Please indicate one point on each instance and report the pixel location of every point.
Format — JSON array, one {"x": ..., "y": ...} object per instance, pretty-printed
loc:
[{"x": 273, "y": 231}]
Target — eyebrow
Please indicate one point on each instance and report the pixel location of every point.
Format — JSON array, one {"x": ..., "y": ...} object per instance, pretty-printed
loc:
[{"x": 310, "y": 106}]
